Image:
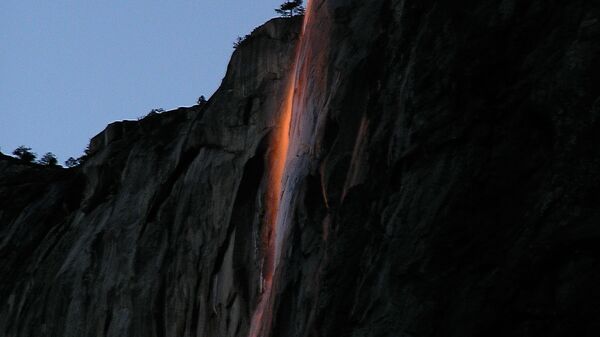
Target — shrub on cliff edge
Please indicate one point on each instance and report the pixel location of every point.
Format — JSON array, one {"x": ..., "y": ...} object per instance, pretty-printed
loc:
[
  {"x": 49, "y": 159},
  {"x": 24, "y": 153},
  {"x": 290, "y": 8}
]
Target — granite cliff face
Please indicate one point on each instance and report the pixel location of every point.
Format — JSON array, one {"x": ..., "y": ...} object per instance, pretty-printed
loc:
[{"x": 441, "y": 180}]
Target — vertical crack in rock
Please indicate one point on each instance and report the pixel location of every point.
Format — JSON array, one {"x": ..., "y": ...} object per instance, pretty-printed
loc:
[{"x": 186, "y": 160}]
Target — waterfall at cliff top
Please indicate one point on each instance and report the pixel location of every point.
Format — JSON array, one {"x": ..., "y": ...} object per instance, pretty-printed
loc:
[{"x": 293, "y": 141}]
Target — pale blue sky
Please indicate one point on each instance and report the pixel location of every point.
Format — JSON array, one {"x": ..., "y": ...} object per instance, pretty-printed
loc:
[{"x": 70, "y": 67}]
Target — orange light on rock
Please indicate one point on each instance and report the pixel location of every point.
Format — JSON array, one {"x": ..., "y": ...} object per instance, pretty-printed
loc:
[{"x": 261, "y": 320}]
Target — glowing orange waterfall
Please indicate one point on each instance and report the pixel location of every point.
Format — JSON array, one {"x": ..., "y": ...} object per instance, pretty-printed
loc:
[
  {"x": 277, "y": 169},
  {"x": 262, "y": 318}
]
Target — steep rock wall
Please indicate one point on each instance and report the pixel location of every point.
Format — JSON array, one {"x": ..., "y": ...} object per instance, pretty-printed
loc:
[
  {"x": 455, "y": 175},
  {"x": 442, "y": 181},
  {"x": 157, "y": 234}
]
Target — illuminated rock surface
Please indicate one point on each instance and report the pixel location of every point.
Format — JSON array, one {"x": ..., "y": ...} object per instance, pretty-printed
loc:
[{"x": 441, "y": 180}]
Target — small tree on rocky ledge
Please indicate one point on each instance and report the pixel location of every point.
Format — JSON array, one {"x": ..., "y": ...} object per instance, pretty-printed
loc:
[
  {"x": 238, "y": 42},
  {"x": 71, "y": 162},
  {"x": 49, "y": 159},
  {"x": 24, "y": 153},
  {"x": 290, "y": 8}
]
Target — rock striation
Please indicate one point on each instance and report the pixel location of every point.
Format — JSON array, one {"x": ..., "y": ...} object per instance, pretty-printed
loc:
[{"x": 442, "y": 180}]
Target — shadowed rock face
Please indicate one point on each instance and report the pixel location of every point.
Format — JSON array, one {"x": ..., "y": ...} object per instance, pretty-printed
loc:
[
  {"x": 157, "y": 233},
  {"x": 449, "y": 188}
]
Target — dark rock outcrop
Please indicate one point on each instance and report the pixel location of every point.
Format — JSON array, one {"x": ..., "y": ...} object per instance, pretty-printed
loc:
[{"x": 445, "y": 184}]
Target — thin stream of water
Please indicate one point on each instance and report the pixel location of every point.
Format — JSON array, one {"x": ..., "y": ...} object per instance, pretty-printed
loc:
[{"x": 276, "y": 212}]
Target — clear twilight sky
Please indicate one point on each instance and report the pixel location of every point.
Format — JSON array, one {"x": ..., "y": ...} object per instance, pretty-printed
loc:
[{"x": 70, "y": 67}]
